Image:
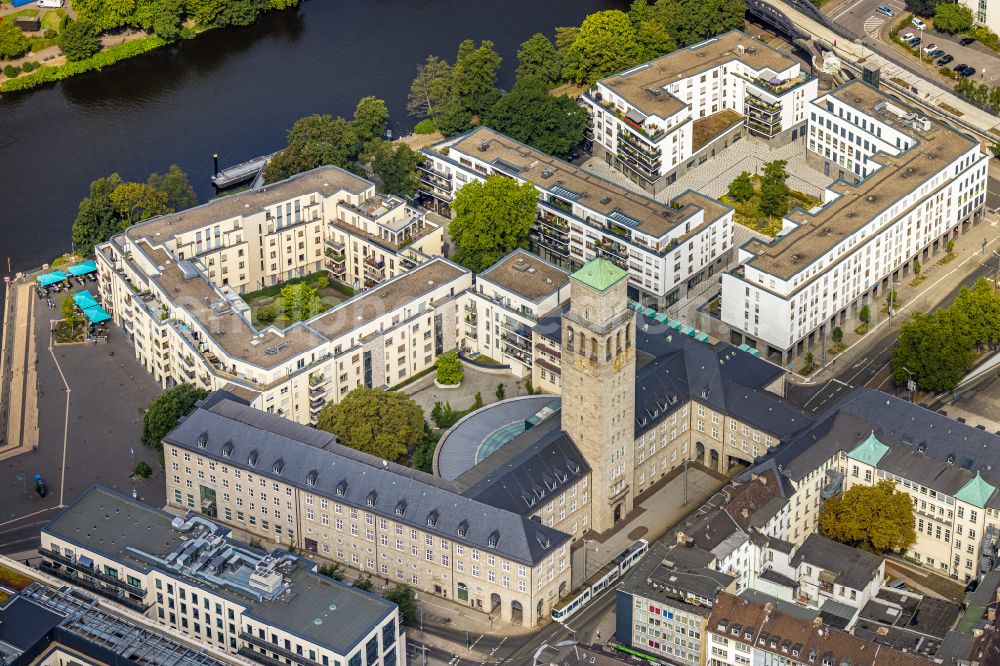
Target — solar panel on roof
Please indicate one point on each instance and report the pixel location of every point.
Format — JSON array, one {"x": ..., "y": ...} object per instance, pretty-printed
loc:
[
  {"x": 564, "y": 193},
  {"x": 506, "y": 166},
  {"x": 622, "y": 218}
]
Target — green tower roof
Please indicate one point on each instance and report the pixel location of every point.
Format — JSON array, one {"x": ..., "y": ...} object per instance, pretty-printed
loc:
[
  {"x": 976, "y": 491},
  {"x": 869, "y": 451},
  {"x": 599, "y": 274}
]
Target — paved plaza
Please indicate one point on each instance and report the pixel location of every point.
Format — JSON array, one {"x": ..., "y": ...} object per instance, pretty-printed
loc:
[
  {"x": 425, "y": 393},
  {"x": 713, "y": 177}
]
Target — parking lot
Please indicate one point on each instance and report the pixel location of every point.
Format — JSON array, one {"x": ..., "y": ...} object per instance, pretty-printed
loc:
[
  {"x": 90, "y": 409},
  {"x": 861, "y": 17}
]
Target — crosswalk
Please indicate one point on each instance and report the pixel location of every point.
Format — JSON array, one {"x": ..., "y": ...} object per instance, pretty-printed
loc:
[{"x": 872, "y": 25}]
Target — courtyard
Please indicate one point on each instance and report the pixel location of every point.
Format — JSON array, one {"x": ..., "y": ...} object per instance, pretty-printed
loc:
[{"x": 268, "y": 306}]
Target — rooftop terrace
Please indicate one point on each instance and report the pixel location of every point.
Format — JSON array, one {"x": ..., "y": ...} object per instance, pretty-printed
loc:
[
  {"x": 526, "y": 275},
  {"x": 858, "y": 204},
  {"x": 636, "y": 85},
  {"x": 569, "y": 182}
]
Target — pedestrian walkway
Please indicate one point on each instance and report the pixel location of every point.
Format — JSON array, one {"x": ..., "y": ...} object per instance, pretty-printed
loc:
[
  {"x": 939, "y": 275},
  {"x": 20, "y": 379}
]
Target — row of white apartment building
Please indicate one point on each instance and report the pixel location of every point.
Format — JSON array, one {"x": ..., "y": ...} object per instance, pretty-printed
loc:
[
  {"x": 174, "y": 285},
  {"x": 905, "y": 186},
  {"x": 666, "y": 248},
  {"x": 657, "y": 121},
  {"x": 189, "y": 575}
]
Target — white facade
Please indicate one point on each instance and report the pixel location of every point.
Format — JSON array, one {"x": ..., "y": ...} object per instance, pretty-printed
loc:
[
  {"x": 643, "y": 120},
  {"x": 913, "y": 184},
  {"x": 666, "y": 248}
]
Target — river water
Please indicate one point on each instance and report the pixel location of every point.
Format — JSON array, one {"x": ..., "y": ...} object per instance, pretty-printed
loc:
[{"x": 235, "y": 92}]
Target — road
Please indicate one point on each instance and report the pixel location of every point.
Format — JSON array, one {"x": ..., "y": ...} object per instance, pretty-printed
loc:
[
  {"x": 860, "y": 17},
  {"x": 873, "y": 369}
]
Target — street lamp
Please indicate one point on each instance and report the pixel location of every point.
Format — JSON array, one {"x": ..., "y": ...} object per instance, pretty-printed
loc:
[
  {"x": 996, "y": 278},
  {"x": 910, "y": 384},
  {"x": 892, "y": 297},
  {"x": 920, "y": 53}
]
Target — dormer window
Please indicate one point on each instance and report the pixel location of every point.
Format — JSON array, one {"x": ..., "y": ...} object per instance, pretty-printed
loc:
[
  {"x": 227, "y": 449},
  {"x": 278, "y": 465},
  {"x": 311, "y": 478},
  {"x": 372, "y": 496},
  {"x": 401, "y": 508},
  {"x": 252, "y": 460},
  {"x": 494, "y": 539},
  {"x": 463, "y": 528},
  {"x": 202, "y": 440},
  {"x": 432, "y": 519},
  {"x": 342, "y": 488}
]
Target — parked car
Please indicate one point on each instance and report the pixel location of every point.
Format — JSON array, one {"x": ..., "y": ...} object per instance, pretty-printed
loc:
[
  {"x": 915, "y": 42},
  {"x": 944, "y": 60},
  {"x": 936, "y": 53},
  {"x": 958, "y": 69},
  {"x": 967, "y": 72},
  {"x": 965, "y": 41},
  {"x": 918, "y": 24},
  {"x": 929, "y": 48},
  {"x": 898, "y": 584},
  {"x": 907, "y": 36},
  {"x": 40, "y": 486},
  {"x": 884, "y": 9}
]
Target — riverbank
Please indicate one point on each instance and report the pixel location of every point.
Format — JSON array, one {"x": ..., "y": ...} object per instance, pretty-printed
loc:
[{"x": 45, "y": 61}]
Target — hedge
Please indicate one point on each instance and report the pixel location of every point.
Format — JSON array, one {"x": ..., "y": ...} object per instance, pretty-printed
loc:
[{"x": 100, "y": 60}]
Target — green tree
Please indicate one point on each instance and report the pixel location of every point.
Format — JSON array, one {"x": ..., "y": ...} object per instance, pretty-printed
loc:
[
  {"x": 68, "y": 309},
  {"x": 334, "y": 571},
  {"x": 143, "y": 470},
  {"x": 916, "y": 267},
  {"x": 453, "y": 120},
  {"x": 474, "y": 76},
  {"x": 837, "y": 334},
  {"x": 604, "y": 44},
  {"x": 492, "y": 218},
  {"x": 300, "y": 301},
  {"x": 449, "y": 369},
  {"x": 936, "y": 347},
  {"x": 923, "y": 8},
  {"x": 979, "y": 310},
  {"x": 96, "y": 220},
  {"x": 371, "y": 118},
  {"x": 13, "y": 43},
  {"x": 654, "y": 41},
  {"x": 952, "y": 17},
  {"x": 477, "y": 401},
  {"x": 166, "y": 410},
  {"x": 529, "y": 114},
  {"x": 639, "y": 12},
  {"x": 501, "y": 391},
  {"x": 950, "y": 246},
  {"x": 692, "y": 21},
  {"x": 386, "y": 424},
  {"x": 774, "y": 190},
  {"x": 741, "y": 189},
  {"x": 166, "y": 17},
  {"x": 314, "y": 141},
  {"x": 809, "y": 361},
  {"x": 537, "y": 59},
  {"x": 175, "y": 184},
  {"x": 875, "y": 518},
  {"x": 240, "y": 12},
  {"x": 403, "y": 596},
  {"x": 135, "y": 202},
  {"x": 865, "y": 315},
  {"x": 430, "y": 92},
  {"x": 106, "y": 14},
  {"x": 365, "y": 583},
  {"x": 266, "y": 314},
  {"x": 395, "y": 163},
  {"x": 79, "y": 40}
]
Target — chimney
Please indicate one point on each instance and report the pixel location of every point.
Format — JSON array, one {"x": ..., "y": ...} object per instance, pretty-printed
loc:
[
  {"x": 817, "y": 621},
  {"x": 768, "y": 607}
]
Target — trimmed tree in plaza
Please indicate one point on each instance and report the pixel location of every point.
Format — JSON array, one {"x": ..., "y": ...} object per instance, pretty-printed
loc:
[
  {"x": 166, "y": 410},
  {"x": 741, "y": 189},
  {"x": 449, "y": 369},
  {"x": 386, "y": 424},
  {"x": 875, "y": 518}
]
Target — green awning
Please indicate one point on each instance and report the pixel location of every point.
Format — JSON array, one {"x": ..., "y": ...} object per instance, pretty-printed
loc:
[
  {"x": 687, "y": 330},
  {"x": 661, "y": 317}
]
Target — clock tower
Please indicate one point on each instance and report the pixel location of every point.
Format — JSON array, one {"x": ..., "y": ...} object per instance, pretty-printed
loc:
[{"x": 598, "y": 385}]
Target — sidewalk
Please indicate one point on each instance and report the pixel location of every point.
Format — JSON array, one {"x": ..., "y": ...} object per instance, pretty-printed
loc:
[{"x": 913, "y": 294}]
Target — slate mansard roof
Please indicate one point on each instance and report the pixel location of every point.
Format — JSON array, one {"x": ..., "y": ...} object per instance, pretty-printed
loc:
[{"x": 235, "y": 434}]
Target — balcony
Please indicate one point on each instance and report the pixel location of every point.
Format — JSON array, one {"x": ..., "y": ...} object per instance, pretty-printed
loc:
[
  {"x": 318, "y": 379},
  {"x": 641, "y": 151},
  {"x": 335, "y": 246},
  {"x": 374, "y": 264},
  {"x": 78, "y": 580},
  {"x": 277, "y": 649},
  {"x": 94, "y": 573},
  {"x": 434, "y": 178}
]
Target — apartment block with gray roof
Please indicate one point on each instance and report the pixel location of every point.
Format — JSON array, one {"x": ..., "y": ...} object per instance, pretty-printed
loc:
[{"x": 188, "y": 574}]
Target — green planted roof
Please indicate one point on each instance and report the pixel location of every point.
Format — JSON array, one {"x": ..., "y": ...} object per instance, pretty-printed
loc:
[
  {"x": 976, "y": 492},
  {"x": 869, "y": 451},
  {"x": 599, "y": 274}
]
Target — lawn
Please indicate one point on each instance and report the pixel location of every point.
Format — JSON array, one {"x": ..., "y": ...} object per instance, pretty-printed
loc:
[
  {"x": 53, "y": 19},
  {"x": 66, "y": 334},
  {"x": 330, "y": 292},
  {"x": 21, "y": 13},
  {"x": 12, "y": 579},
  {"x": 748, "y": 212}
]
